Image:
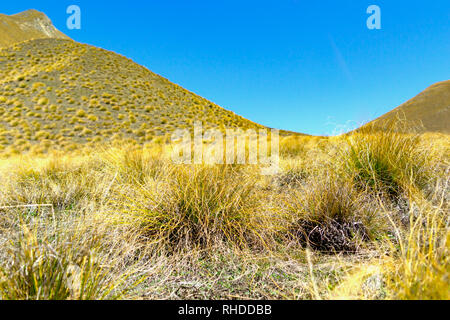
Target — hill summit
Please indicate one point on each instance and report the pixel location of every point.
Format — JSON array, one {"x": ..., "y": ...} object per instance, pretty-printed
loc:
[{"x": 27, "y": 25}]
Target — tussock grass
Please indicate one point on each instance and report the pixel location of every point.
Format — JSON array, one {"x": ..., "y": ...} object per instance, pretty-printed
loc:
[
  {"x": 197, "y": 206},
  {"x": 329, "y": 215},
  {"x": 387, "y": 162},
  {"x": 360, "y": 216},
  {"x": 416, "y": 266},
  {"x": 136, "y": 165},
  {"x": 60, "y": 182},
  {"x": 60, "y": 265},
  {"x": 422, "y": 268}
]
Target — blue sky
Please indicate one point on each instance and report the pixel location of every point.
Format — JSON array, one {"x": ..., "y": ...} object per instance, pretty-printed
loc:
[{"x": 306, "y": 66}]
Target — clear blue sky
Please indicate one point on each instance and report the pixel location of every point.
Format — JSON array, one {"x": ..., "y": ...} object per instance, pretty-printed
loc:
[{"x": 307, "y": 66}]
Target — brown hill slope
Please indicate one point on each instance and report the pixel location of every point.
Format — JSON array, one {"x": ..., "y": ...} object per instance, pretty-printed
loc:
[
  {"x": 26, "y": 25},
  {"x": 427, "y": 112}
]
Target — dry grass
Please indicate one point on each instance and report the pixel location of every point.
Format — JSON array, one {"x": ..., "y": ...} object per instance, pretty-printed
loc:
[
  {"x": 364, "y": 216},
  {"x": 390, "y": 163},
  {"x": 200, "y": 206}
]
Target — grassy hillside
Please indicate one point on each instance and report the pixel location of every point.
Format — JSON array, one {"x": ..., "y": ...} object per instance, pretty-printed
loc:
[
  {"x": 427, "y": 112},
  {"x": 59, "y": 93},
  {"x": 26, "y": 25},
  {"x": 358, "y": 216}
]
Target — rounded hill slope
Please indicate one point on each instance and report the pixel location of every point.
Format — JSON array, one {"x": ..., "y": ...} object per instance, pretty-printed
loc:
[{"x": 61, "y": 93}]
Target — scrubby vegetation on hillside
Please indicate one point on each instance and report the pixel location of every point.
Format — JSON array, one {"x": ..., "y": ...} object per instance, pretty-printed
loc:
[
  {"x": 57, "y": 94},
  {"x": 360, "y": 216}
]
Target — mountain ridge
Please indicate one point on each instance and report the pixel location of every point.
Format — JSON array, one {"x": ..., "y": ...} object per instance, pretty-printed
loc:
[{"x": 27, "y": 25}]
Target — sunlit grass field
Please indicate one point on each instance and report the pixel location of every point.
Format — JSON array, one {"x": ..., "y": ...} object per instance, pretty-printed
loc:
[{"x": 361, "y": 216}]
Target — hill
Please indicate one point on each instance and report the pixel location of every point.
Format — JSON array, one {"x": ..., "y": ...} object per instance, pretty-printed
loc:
[
  {"x": 57, "y": 94},
  {"x": 61, "y": 93},
  {"x": 427, "y": 112},
  {"x": 26, "y": 25}
]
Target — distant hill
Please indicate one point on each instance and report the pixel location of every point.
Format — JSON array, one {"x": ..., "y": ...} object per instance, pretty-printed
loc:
[
  {"x": 26, "y": 25},
  {"x": 427, "y": 112}
]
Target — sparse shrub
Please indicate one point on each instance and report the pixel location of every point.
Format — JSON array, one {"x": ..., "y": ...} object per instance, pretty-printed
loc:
[
  {"x": 81, "y": 113},
  {"x": 42, "y": 135},
  {"x": 92, "y": 118},
  {"x": 43, "y": 101}
]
